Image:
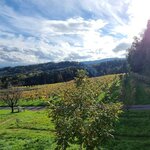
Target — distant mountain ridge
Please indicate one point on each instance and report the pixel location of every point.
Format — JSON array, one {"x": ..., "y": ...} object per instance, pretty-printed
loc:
[
  {"x": 58, "y": 72},
  {"x": 101, "y": 60}
]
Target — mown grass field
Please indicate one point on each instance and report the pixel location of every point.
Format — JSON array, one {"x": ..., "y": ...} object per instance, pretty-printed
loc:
[
  {"x": 33, "y": 130},
  {"x": 132, "y": 132},
  {"x": 29, "y": 130},
  {"x": 26, "y": 130}
]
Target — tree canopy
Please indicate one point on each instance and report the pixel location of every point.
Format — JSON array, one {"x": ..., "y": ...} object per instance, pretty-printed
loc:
[{"x": 139, "y": 53}]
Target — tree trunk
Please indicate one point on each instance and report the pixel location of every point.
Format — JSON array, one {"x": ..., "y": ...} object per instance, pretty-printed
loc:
[
  {"x": 80, "y": 147},
  {"x": 12, "y": 109}
]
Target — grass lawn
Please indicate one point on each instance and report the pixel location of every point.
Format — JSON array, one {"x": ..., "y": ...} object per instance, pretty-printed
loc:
[
  {"x": 132, "y": 132},
  {"x": 25, "y": 130},
  {"x": 33, "y": 130}
]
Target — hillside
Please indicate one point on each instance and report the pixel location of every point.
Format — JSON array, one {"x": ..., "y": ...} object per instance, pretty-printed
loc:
[
  {"x": 135, "y": 89},
  {"x": 58, "y": 72},
  {"x": 39, "y": 94}
]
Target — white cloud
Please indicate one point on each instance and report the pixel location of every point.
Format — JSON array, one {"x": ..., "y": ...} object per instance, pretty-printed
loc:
[
  {"x": 76, "y": 30},
  {"x": 60, "y": 38}
]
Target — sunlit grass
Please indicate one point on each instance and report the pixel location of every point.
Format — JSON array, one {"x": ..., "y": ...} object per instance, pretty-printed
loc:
[
  {"x": 34, "y": 130},
  {"x": 26, "y": 130}
]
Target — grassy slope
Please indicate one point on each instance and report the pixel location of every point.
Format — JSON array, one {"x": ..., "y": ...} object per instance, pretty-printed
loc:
[{"x": 33, "y": 130}]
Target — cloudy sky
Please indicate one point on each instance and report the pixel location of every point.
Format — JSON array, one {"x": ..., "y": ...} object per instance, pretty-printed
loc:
[{"x": 37, "y": 31}]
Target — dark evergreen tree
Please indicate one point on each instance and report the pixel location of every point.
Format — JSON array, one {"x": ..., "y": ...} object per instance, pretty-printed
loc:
[{"x": 139, "y": 53}]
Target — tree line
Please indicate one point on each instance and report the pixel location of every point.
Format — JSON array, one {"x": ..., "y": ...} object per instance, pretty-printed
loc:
[
  {"x": 139, "y": 53},
  {"x": 58, "y": 72}
]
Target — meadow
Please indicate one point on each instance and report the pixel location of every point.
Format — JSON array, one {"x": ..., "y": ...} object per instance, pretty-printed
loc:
[
  {"x": 26, "y": 130},
  {"x": 33, "y": 130}
]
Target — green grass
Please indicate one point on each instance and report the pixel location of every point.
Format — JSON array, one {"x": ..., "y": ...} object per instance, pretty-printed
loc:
[
  {"x": 132, "y": 132},
  {"x": 135, "y": 91},
  {"x": 33, "y": 130},
  {"x": 142, "y": 94},
  {"x": 26, "y": 130},
  {"x": 34, "y": 102}
]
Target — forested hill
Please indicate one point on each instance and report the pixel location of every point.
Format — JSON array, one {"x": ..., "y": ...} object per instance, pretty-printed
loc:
[
  {"x": 37, "y": 68},
  {"x": 57, "y": 72}
]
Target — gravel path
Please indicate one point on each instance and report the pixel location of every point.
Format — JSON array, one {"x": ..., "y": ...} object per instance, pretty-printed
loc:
[
  {"x": 27, "y": 107},
  {"x": 138, "y": 107},
  {"x": 132, "y": 107}
]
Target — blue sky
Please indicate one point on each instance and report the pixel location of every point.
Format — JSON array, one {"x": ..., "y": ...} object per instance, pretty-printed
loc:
[{"x": 38, "y": 31}]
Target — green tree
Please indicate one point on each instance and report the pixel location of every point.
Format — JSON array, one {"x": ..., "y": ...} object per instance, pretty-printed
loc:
[
  {"x": 136, "y": 56},
  {"x": 139, "y": 53},
  {"x": 81, "y": 116}
]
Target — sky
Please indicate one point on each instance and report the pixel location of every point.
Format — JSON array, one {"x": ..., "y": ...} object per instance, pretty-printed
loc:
[{"x": 39, "y": 31}]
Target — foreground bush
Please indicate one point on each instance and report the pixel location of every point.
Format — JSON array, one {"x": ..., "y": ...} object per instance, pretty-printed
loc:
[{"x": 82, "y": 115}]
